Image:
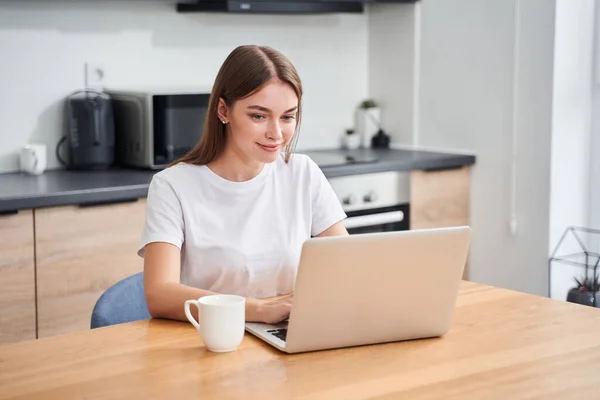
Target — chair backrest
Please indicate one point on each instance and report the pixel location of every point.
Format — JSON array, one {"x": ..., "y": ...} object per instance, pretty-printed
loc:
[{"x": 123, "y": 302}]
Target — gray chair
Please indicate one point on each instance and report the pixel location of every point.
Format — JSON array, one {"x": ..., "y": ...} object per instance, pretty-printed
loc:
[{"x": 123, "y": 302}]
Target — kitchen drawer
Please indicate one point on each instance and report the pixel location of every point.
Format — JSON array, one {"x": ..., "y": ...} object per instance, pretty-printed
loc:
[
  {"x": 17, "y": 278},
  {"x": 80, "y": 252}
]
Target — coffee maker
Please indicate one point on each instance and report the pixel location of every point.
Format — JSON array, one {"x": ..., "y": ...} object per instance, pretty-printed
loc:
[{"x": 90, "y": 131}]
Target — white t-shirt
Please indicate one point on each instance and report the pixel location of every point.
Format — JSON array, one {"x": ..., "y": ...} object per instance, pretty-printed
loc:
[{"x": 240, "y": 238}]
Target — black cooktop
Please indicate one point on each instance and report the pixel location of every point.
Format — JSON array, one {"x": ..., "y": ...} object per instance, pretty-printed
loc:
[{"x": 332, "y": 159}]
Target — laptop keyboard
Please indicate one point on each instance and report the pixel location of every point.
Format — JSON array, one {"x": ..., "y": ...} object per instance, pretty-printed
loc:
[{"x": 280, "y": 333}]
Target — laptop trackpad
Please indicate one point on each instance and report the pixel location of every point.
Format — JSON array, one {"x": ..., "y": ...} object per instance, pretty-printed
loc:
[{"x": 280, "y": 325}]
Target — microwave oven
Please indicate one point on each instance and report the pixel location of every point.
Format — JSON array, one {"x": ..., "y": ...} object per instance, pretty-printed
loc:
[{"x": 155, "y": 127}]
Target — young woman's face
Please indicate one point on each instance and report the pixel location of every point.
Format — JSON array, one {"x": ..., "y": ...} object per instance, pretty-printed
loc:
[{"x": 259, "y": 126}]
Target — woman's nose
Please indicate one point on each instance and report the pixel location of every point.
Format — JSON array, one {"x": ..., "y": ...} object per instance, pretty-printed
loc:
[{"x": 274, "y": 132}]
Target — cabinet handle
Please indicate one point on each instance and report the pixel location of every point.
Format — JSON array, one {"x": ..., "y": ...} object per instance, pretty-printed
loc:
[
  {"x": 9, "y": 212},
  {"x": 107, "y": 203}
]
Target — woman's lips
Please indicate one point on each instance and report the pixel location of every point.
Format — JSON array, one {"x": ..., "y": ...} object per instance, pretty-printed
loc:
[{"x": 270, "y": 148}]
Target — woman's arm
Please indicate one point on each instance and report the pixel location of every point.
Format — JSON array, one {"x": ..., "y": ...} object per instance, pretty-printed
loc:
[
  {"x": 337, "y": 229},
  {"x": 165, "y": 296}
]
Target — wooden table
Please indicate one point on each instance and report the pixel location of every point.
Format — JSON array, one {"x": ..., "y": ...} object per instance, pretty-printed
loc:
[{"x": 502, "y": 345}]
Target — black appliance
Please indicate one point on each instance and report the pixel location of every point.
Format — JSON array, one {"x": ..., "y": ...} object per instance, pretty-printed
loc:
[
  {"x": 280, "y": 6},
  {"x": 383, "y": 219},
  {"x": 154, "y": 127},
  {"x": 90, "y": 129}
]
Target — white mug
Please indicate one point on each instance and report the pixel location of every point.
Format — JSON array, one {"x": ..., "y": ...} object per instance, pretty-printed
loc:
[
  {"x": 33, "y": 158},
  {"x": 221, "y": 320}
]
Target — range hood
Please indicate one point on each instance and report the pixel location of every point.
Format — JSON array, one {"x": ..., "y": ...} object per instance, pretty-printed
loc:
[{"x": 274, "y": 6}]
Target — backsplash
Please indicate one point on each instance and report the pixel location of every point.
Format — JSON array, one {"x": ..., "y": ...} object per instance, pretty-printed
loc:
[{"x": 44, "y": 47}]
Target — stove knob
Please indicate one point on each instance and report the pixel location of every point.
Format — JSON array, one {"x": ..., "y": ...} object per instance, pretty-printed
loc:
[
  {"x": 348, "y": 200},
  {"x": 370, "y": 197}
]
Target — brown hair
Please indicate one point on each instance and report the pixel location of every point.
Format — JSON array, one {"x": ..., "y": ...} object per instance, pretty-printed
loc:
[{"x": 245, "y": 71}]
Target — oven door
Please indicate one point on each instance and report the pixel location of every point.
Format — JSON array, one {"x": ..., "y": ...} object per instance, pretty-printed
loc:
[{"x": 384, "y": 219}]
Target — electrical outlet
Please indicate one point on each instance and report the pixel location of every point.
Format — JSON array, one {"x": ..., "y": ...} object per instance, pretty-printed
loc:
[{"x": 94, "y": 75}]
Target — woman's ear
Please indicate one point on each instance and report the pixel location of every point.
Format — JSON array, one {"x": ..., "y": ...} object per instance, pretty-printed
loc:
[{"x": 222, "y": 111}]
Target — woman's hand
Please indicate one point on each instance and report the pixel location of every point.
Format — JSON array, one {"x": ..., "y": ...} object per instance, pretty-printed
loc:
[{"x": 269, "y": 311}]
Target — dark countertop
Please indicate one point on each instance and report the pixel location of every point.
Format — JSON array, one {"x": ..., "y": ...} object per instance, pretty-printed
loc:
[{"x": 62, "y": 187}]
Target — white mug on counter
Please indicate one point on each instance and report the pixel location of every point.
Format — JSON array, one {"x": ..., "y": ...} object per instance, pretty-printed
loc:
[
  {"x": 33, "y": 158},
  {"x": 221, "y": 321}
]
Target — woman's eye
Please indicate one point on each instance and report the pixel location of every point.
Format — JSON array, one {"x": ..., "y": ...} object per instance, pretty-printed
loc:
[
  {"x": 289, "y": 117},
  {"x": 257, "y": 117}
]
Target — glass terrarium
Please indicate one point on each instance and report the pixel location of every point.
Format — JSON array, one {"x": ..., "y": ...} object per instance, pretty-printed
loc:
[{"x": 573, "y": 273}]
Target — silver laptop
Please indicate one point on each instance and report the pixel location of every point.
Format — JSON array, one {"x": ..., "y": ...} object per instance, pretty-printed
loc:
[{"x": 372, "y": 288}]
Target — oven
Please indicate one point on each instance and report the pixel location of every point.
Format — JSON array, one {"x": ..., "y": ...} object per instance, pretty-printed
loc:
[
  {"x": 384, "y": 219},
  {"x": 374, "y": 202}
]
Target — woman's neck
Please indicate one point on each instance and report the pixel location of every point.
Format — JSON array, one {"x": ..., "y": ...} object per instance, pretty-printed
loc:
[{"x": 235, "y": 167}]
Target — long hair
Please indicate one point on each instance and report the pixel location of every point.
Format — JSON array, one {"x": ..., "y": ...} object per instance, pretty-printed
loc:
[{"x": 245, "y": 71}]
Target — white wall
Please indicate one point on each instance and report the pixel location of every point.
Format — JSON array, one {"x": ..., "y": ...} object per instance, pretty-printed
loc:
[
  {"x": 392, "y": 73},
  {"x": 594, "y": 182},
  {"x": 43, "y": 47},
  {"x": 466, "y": 102},
  {"x": 571, "y": 132}
]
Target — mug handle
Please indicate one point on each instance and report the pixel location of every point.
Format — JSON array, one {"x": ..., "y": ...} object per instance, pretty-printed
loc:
[{"x": 189, "y": 315}]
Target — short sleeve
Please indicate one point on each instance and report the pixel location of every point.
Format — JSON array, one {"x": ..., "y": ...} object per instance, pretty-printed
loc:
[
  {"x": 326, "y": 208},
  {"x": 164, "y": 216}
]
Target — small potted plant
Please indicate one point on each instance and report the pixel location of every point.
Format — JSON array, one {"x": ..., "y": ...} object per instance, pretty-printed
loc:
[
  {"x": 368, "y": 121},
  {"x": 579, "y": 248},
  {"x": 585, "y": 291},
  {"x": 369, "y": 103}
]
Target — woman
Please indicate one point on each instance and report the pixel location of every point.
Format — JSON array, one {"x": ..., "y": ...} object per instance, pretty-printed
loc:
[{"x": 231, "y": 216}]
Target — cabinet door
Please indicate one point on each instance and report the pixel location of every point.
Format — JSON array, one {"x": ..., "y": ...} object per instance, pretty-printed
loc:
[
  {"x": 81, "y": 252},
  {"x": 439, "y": 198},
  {"x": 17, "y": 278}
]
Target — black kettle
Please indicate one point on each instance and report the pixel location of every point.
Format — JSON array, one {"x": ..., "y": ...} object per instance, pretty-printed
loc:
[{"x": 90, "y": 128}]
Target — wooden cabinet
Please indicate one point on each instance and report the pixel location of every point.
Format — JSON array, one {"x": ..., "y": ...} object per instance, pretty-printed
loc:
[
  {"x": 17, "y": 278},
  {"x": 80, "y": 252},
  {"x": 439, "y": 198}
]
